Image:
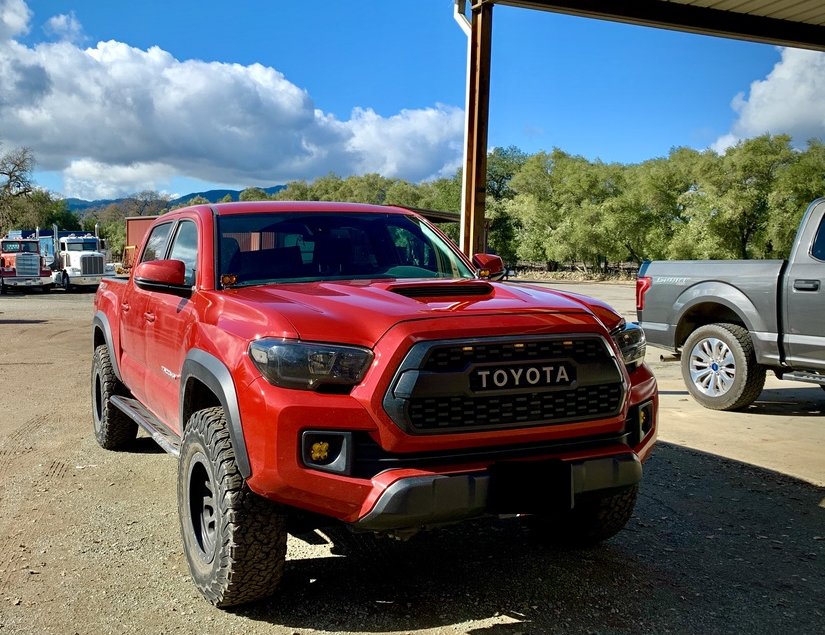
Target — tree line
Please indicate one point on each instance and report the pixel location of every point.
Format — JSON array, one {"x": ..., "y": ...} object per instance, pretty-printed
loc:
[{"x": 551, "y": 207}]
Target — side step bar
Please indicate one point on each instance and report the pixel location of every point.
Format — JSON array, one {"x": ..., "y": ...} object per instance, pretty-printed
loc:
[
  {"x": 801, "y": 375},
  {"x": 162, "y": 435}
]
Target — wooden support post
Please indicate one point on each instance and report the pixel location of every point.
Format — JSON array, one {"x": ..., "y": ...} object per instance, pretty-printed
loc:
[{"x": 478, "y": 108}]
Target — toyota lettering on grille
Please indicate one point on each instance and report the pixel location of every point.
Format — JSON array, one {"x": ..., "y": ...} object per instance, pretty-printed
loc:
[{"x": 522, "y": 376}]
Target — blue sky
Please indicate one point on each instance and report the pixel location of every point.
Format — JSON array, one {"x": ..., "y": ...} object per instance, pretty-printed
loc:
[{"x": 178, "y": 96}]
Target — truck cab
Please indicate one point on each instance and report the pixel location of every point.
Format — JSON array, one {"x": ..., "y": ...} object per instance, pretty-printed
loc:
[
  {"x": 79, "y": 260},
  {"x": 22, "y": 266}
]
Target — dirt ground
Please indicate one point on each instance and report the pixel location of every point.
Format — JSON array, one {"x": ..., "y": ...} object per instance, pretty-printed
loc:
[{"x": 728, "y": 535}]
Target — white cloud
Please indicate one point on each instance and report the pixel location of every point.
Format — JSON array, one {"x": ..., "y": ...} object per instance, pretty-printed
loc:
[
  {"x": 116, "y": 119},
  {"x": 788, "y": 101},
  {"x": 95, "y": 180},
  {"x": 65, "y": 27},
  {"x": 14, "y": 18}
]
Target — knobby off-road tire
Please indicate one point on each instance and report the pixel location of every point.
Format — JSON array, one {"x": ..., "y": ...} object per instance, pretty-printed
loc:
[
  {"x": 234, "y": 540},
  {"x": 719, "y": 367},
  {"x": 113, "y": 429},
  {"x": 595, "y": 517}
]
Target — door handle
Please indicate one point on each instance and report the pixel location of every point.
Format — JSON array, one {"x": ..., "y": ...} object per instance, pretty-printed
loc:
[
  {"x": 149, "y": 317},
  {"x": 806, "y": 285},
  {"x": 125, "y": 306}
]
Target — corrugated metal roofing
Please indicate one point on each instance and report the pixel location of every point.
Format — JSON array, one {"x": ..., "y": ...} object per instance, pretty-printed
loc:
[{"x": 798, "y": 23}]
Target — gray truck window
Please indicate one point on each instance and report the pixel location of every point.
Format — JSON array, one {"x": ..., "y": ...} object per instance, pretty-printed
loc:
[
  {"x": 818, "y": 248},
  {"x": 185, "y": 248},
  {"x": 156, "y": 245}
]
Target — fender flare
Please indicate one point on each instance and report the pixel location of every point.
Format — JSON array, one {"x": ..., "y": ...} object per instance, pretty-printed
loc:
[
  {"x": 728, "y": 296},
  {"x": 101, "y": 322},
  {"x": 212, "y": 372}
]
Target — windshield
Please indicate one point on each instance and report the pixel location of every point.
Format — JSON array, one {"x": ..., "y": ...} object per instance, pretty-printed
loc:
[
  {"x": 82, "y": 245},
  {"x": 19, "y": 246},
  {"x": 304, "y": 247}
]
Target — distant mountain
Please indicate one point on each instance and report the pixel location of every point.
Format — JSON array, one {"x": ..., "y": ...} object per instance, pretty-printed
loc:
[{"x": 213, "y": 196}]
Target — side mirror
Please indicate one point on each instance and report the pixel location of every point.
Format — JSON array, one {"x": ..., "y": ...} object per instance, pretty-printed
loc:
[
  {"x": 490, "y": 266},
  {"x": 165, "y": 276}
]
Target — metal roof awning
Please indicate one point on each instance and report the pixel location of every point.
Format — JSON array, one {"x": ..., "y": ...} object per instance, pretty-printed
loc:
[
  {"x": 794, "y": 23},
  {"x": 797, "y": 23}
]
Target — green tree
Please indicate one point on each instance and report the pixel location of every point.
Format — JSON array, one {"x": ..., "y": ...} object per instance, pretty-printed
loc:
[
  {"x": 502, "y": 165},
  {"x": 403, "y": 193},
  {"x": 730, "y": 208},
  {"x": 295, "y": 191},
  {"x": 797, "y": 186},
  {"x": 227, "y": 198},
  {"x": 253, "y": 194},
  {"x": 16, "y": 167}
]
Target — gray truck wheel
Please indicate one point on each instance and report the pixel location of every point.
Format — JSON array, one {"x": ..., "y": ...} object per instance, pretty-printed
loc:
[
  {"x": 113, "y": 429},
  {"x": 234, "y": 540},
  {"x": 595, "y": 517},
  {"x": 719, "y": 367}
]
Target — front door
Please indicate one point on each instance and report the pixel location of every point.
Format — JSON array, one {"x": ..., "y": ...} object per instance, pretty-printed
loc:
[
  {"x": 805, "y": 299},
  {"x": 136, "y": 321},
  {"x": 173, "y": 317}
]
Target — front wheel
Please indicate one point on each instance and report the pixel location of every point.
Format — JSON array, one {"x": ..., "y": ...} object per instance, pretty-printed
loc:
[
  {"x": 719, "y": 367},
  {"x": 113, "y": 429},
  {"x": 234, "y": 540},
  {"x": 595, "y": 517}
]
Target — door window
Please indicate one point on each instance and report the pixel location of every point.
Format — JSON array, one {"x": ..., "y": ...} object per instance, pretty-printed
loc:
[
  {"x": 185, "y": 248},
  {"x": 156, "y": 245},
  {"x": 818, "y": 248}
]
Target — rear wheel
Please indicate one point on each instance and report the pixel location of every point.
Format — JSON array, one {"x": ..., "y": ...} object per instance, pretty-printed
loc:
[
  {"x": 595, "y": 517},
  {"x": 719, "y": 367},
  {"x": 113, "y": 429},
  {"x": 234, "y": 540}
]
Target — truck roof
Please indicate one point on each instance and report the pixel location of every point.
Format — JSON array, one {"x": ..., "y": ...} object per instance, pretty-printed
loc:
[{"x": 253, "y": 207}]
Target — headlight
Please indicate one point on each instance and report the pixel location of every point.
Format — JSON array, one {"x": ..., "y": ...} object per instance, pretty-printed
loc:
[
  {"x": 630, "y": 338},
  {"x": 307, "y": 365}
]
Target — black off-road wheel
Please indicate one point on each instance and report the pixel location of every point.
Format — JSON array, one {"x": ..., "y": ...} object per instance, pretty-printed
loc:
[
  {"x": 595, "y": 517},
  {"x": 234, "y": 540},
  {"x": 113, "y": 429},
  {"x": 719, "y": 367}
]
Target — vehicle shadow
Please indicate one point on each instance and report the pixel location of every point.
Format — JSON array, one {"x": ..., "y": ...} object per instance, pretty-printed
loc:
[
  {"x": 808, "y": 401},
  {"x": 714, "y": 546}
]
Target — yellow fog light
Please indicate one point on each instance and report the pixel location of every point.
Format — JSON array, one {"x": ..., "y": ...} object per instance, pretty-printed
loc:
[
  {"x": 327, "y": 450},
  {"x": 320, "y": 451}
]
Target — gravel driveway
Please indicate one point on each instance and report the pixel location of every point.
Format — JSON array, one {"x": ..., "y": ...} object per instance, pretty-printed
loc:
[{"x": 728, "y": 535}]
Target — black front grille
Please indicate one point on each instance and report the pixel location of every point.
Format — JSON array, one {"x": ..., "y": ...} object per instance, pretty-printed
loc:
[
  {"x": 455, "y": 413},
  {"x": 459, "y": 356},
  {"x": 436, "y": 389}
]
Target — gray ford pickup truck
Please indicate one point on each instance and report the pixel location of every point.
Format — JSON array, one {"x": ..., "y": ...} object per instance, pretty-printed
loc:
[{"x": 733, "y": 320}]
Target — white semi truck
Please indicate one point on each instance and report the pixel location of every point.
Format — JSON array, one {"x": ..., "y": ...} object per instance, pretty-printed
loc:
[{"x": 76, "y": 259}]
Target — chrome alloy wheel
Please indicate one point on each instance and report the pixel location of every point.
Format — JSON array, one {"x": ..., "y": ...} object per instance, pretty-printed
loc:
[{"x": 712, "y": 367}]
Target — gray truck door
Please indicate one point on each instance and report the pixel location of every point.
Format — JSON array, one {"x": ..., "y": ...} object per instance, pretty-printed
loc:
[{"x": 804, "y": 291}]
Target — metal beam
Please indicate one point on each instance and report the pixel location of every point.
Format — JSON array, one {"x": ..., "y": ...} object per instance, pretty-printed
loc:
[
  {"x": 478, "y": 109},
  {"x": 689, "y": 18}
]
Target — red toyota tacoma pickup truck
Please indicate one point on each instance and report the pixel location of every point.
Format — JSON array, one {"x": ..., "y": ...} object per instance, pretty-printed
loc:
[{"x": 345, "y": 363}]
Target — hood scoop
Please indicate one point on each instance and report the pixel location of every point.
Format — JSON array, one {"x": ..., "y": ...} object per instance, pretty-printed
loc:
[{"x": 443, "y": 289}]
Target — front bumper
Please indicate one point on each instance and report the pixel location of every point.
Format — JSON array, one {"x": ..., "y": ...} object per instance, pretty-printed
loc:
[
  {"x": 434, "y": 499},
  {"x": 84, "y": 281},
  {"x": 27, "y": 282}
]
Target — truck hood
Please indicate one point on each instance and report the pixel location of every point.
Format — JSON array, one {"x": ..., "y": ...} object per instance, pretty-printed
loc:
[{"x": 361, "y": 312}]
